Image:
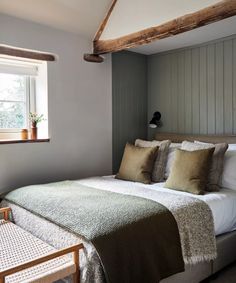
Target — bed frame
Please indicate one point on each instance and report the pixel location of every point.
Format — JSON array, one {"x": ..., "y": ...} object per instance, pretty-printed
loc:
[
  {"x": 178, "y": 138},
  {"x": 226, "y": 243}
]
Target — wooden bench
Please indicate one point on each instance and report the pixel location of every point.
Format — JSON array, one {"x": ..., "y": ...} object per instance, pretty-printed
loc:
[{"x": 25, "y": 258}]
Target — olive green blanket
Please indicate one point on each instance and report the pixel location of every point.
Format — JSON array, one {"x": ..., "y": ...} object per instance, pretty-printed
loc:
[{"x": 137, "y": 239}]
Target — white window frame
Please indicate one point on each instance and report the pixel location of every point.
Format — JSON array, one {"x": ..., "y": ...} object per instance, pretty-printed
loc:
[{"x": 28, "y": 70}]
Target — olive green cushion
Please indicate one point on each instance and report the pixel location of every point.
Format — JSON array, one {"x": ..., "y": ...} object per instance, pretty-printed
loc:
[
  {"x": 137, "y": 163},
  {"x": 190, "y": 170},
  {"x": 216, "y": 168}
]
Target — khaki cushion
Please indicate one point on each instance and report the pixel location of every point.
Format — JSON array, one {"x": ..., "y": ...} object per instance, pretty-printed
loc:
[
  {"x": 137, "y": 163},
  {"x": 190, "y": 170},
  {"x": 158, "y": 172},
  {"x": 216, "y": 168}
]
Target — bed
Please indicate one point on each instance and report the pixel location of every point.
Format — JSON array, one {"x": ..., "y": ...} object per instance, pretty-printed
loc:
[{"x": 222, "y": 206}]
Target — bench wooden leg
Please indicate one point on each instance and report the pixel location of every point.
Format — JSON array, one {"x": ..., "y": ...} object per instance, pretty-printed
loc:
[
  {"x": 5, "y": 211},
  {"x": 76, "y": 275}
]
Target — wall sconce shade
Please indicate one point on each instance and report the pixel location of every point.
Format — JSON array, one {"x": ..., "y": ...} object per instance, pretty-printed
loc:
[{"x": 156, "y": 120}]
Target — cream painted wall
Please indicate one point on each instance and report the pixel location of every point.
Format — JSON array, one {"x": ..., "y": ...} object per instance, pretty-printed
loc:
[{"x": 80, "y": 111}]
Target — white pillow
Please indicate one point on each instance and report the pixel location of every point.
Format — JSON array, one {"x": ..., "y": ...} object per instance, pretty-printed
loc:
[
  {"x": 229, "y": 171},
  {"x": 232, "y": 147},
  {"x": 170, "y": 158}
]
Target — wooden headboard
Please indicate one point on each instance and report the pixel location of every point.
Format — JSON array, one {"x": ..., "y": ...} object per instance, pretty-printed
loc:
[{"x": 178, "y": 138}]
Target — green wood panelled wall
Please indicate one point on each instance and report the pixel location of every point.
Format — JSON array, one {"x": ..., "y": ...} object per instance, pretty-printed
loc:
[
  {"x": 195, "y": 88},
  {"x": 129, "y": 101}
]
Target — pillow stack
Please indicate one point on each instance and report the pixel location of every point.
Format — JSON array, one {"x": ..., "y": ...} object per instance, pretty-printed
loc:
[
  {"x": 133, "y": 159},
  {"x": 202, "y": 173},
  {"x": 158, "y": 173},
  {"x": 137, "y": 163},
  {"x": 216, "y": 169},
  {"x": 193, "y": 167},
  {"x": 190, "y": 170}
]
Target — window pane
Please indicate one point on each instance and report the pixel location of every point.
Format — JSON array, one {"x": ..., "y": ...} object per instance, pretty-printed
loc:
[
  {"x": 12, "y": 87},
  {"x": 12, "y": 115}
]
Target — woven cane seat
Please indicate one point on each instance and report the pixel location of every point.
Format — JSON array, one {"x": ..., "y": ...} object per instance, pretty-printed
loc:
[{"x": 18, "y": 246}]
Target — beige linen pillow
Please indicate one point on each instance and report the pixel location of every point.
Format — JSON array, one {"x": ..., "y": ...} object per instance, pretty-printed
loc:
[
  {"x": 189, "y": 170},
  {"x": 137, "y": 163},
  {"x": 170, "y": 157},
  {"x": 216, "y": 169},
  {"x": 158, "y": 173}
]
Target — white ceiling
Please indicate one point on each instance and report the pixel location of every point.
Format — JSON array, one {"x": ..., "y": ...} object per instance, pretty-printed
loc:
[
  {"x": 84, "y": 17},
  {"x": 207, "y": 33},
  {"x": 78, "y": 16},
  {"x": 130, "y": 16}
]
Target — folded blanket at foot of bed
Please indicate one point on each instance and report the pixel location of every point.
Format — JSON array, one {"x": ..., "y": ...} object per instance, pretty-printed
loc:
[{"x": 137, "y": 239}]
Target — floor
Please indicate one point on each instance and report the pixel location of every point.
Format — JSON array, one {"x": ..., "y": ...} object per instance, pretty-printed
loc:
[{"x": 227, "y": 275}]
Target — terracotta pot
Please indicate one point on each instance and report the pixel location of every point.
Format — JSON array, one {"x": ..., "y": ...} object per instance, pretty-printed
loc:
[
  {"x": 34, "y": 132},
  {"x": 24, "y": 134}
]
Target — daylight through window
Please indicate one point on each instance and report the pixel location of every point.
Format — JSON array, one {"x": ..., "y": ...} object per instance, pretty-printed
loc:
[
  {"x": 14, "y": 101},
  {"x": 23, "y": 89}
]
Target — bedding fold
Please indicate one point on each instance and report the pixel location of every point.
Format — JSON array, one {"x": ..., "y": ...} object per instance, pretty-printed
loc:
[{"x": 137, "y": 239}]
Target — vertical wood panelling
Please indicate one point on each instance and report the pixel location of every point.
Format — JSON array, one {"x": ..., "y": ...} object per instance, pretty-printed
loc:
[
  {"x": 211, "y": 105},
  {"x": 219, "y": 82},
  {"x": 228, "y": 79},
  {"x": 181, "y": 93},
  {"x": 129, "y": 101},
  {"x": 167, "y": 93},
  {"x": 188, "y": 91},
  {"x": 195, "y": 91},
  {"x": 173, "y": 112},
  {"x": 203, "y": 90},
  {"x": 195, "y": 88},
  {"x": 161, "y": 99},
  {"x": 234, "y": 86}
]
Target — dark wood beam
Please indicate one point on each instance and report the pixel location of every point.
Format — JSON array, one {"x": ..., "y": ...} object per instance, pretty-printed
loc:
[
  {"x": 221, "y": 10},
  {"x": 25, "y": 53},
  {"x": 105, "y": 20},
  {"x": 93, "y": 58}
]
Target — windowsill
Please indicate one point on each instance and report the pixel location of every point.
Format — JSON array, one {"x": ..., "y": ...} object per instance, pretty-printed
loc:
[{"x": 10, "y": 141}]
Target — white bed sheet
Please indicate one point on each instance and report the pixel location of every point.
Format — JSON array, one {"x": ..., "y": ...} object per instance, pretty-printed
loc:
[{"x": 222, "y": 204}]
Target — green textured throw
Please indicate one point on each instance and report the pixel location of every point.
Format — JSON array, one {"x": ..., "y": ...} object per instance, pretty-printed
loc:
[{"x": 137, "y": 239}]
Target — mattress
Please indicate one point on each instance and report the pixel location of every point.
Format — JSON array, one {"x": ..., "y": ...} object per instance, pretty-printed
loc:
[{"x": 222, "y": 204}]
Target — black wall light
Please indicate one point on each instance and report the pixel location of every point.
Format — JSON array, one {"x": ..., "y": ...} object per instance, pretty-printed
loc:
[{"x": 156, "y": 120}]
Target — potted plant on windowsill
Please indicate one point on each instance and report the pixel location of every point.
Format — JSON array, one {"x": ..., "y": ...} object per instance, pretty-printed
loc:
[{"x": 35, "y": 119}]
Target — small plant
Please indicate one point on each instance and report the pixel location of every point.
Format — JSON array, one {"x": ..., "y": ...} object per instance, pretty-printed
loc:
[{"x": 35, "y": 118}]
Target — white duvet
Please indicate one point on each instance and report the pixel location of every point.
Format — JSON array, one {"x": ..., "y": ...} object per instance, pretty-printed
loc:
[{"x": 222, "y": 204}]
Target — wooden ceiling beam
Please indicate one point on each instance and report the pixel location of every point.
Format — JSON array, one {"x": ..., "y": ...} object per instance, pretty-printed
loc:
[
  {"x": 95, "y": 58},
  {"x": 26, "y": 53},
  {"x": 104, "y": 22},
  {"x": 221, "y": 10}
]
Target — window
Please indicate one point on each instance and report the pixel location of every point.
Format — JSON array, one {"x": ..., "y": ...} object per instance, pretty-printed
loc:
[
  {"x": 14, "y": 101},
  {"x": 23, "y": 89}
]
